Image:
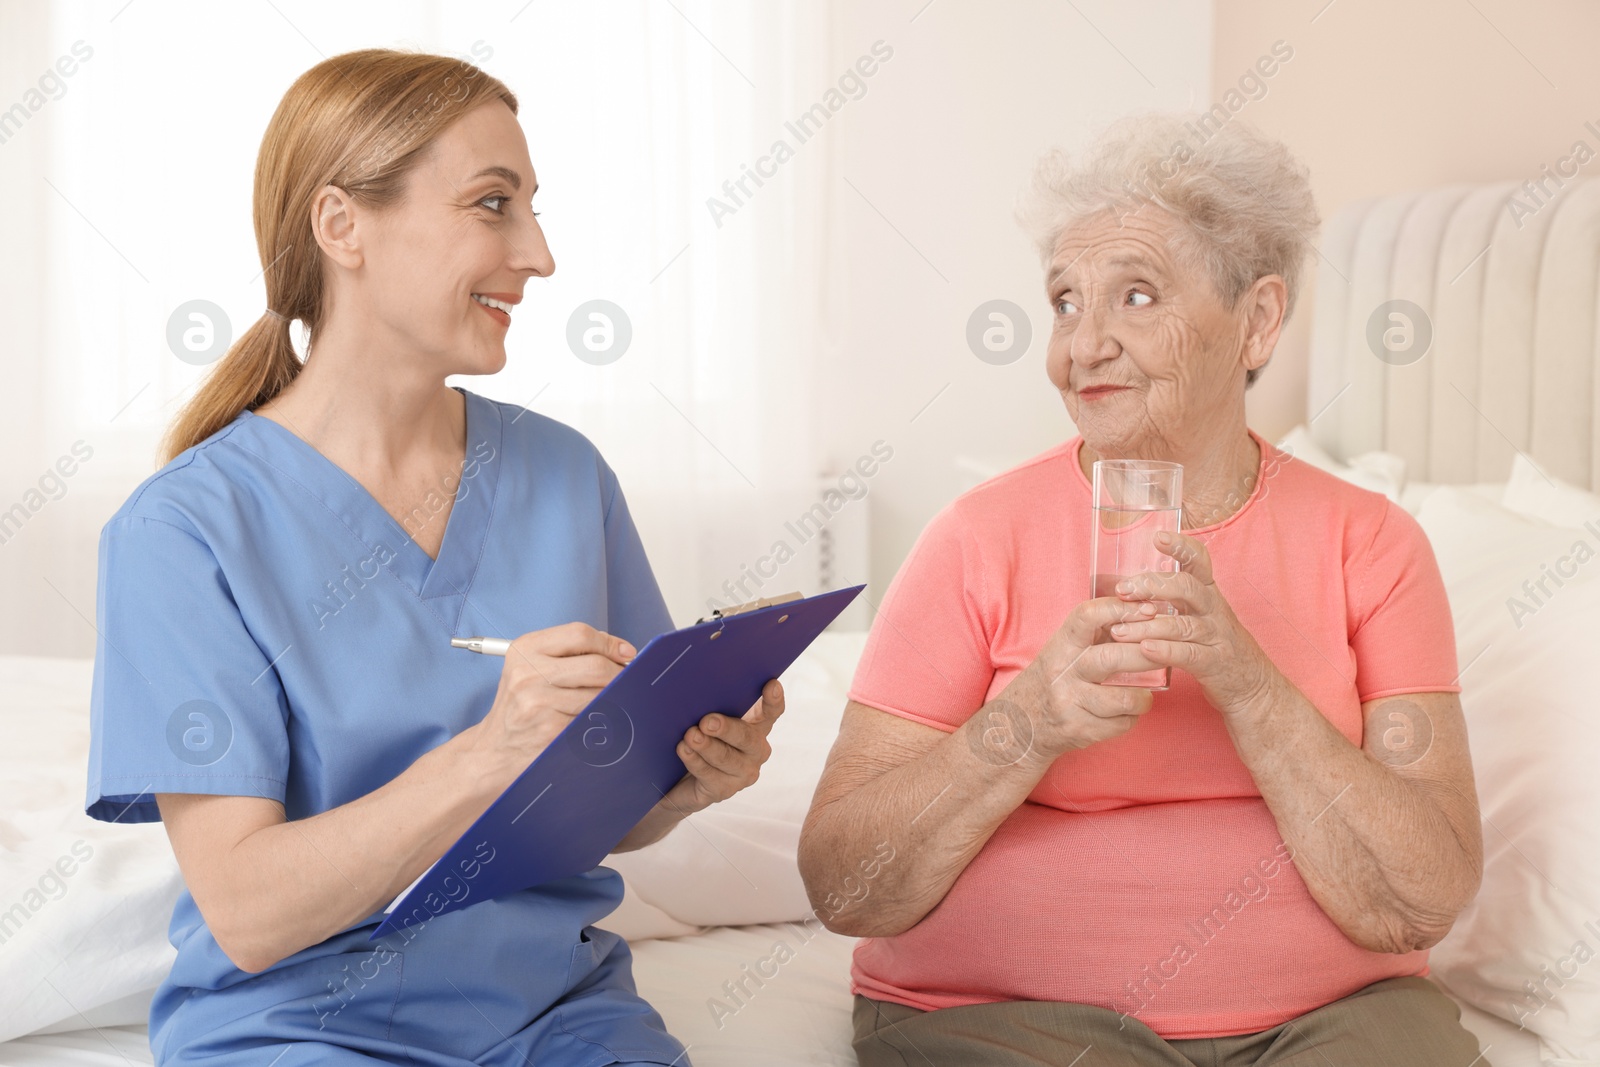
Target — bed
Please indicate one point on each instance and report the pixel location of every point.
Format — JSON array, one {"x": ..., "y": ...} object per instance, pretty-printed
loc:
[
  {"x": 1455, "y": 437},
  {"x": 800, "y": 1016}
]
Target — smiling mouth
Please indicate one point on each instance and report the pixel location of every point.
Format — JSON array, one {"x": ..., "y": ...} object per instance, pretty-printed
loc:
[
  {"x": 1100, "y": 390},
  {"x": 499, "y": 310}
]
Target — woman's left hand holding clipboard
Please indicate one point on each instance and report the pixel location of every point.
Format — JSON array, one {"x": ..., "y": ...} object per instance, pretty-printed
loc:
[{"x": 723, "y": 755}]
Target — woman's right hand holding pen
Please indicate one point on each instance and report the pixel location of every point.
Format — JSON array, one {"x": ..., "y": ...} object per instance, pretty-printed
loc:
[{"x": 549, "y": 676}]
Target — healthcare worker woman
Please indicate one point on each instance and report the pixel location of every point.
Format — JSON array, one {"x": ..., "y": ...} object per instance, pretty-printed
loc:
[{"x": 274, "y": 678}]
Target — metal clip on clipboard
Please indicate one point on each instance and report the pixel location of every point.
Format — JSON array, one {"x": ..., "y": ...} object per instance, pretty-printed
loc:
[{"x": 754, "y": 605}]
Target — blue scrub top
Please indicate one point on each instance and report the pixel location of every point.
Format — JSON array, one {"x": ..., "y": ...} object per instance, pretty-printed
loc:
[{"x": 267, "y": 629}]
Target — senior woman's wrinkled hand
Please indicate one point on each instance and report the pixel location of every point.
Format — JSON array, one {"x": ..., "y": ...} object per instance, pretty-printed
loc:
[
  {"x": 1062, "y": 692},
  {"x": 1205, "y": 637}
]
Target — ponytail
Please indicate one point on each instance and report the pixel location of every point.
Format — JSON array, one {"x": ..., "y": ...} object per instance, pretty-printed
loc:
[{"x": 255, "y": 369}]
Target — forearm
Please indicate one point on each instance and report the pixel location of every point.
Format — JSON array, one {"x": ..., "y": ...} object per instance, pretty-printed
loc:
[
  {"x": 658, "y": 823},
  {"x": 936, "y": 811},
  {"x": 298, "y": 883},
  {"x": 1376, "y": 851}
]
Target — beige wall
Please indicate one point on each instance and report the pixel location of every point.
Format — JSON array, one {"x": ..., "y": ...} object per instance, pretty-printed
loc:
[
  {"x": 1382, "y": 96},
  {"x": 923, "y": 233}
]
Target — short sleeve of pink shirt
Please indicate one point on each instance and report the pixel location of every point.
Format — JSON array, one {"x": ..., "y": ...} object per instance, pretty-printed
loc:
[
  {"x": 928, "y": 651},
  {"x": 1148, "y": 839},
  {"x": 1401, "y": 632}
]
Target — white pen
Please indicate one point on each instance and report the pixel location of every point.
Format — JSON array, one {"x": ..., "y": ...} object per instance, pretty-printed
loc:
[{"x": 489, "y": 646}]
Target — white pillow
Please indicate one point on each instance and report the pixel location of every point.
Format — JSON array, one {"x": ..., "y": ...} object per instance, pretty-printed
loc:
[
  {"x": 83, "y": 933},
  {"x": 636, "y": 920},
  {"x": 1415, "y": 494},
  {"x": 1381, "y": 472},
  {"x": 1530, "y": 660},
  {"x": 735, "y": 863},
  {"x": 1544, "y": 496}
]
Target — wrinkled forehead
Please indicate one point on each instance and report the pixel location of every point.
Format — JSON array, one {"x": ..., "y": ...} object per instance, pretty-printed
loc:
[{"x": 1112, "y": 244}]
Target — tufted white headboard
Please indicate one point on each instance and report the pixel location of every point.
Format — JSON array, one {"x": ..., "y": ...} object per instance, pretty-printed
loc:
[{"x": 1507, "y": 281}]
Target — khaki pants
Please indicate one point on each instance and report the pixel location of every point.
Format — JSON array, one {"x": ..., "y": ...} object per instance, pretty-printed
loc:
[{"x": 1398, "y": 1022}]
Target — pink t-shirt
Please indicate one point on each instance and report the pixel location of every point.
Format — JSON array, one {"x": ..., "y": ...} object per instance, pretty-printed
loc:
[{"x": 1145, "y": 874}]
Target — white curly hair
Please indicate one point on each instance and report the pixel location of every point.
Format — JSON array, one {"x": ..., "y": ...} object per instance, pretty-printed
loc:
[{"x": 1243, "y": 201}]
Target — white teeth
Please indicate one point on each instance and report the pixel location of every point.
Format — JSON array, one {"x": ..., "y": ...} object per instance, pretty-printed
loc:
[{"x": 491, "y": 302}]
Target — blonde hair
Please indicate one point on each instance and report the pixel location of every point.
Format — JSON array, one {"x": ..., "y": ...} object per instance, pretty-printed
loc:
[
  {"x": 1242, "y": 201},
  {"x": 360, "y": 121}
]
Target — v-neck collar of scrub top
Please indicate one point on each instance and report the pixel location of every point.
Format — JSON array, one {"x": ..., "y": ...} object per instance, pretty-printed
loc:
[{"x": 466, "y": 528}]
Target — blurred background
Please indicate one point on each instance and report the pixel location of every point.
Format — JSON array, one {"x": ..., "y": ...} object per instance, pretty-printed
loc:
[{"x": 861, "y": 299}]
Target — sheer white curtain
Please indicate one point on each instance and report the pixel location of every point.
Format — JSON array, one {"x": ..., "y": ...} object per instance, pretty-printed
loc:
[{"x": 128, "y": 194}]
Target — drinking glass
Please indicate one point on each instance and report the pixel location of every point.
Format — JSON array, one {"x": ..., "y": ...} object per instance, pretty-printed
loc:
[{"x": 1133, "y": 500}]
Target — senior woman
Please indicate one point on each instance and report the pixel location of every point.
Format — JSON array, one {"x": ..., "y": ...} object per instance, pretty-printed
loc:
[
  {"x": 274, "y": 680},
  {"x": 1247, "y": 868}
]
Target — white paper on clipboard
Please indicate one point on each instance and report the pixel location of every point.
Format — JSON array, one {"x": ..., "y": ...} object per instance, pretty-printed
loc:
[{"x": 409, "y": 888}]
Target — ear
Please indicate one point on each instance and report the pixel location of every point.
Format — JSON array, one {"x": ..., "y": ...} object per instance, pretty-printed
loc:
[
  {"x": 334, "y": 218},
  {"x": 1263, "y": 306}
]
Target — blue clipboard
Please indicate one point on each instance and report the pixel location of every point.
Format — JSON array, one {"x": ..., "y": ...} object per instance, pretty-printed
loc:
[{"x": 617, "y": 758}]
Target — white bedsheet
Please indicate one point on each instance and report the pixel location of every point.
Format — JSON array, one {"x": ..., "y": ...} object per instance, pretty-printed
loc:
[{"x": 800, "y": 1016}]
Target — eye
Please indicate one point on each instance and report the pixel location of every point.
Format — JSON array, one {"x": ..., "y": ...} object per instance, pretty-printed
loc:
[
  {"x": 1064, "y": 306},
  {"x": 500, "y": 202},
  {"x": 1135, "y": 296}
]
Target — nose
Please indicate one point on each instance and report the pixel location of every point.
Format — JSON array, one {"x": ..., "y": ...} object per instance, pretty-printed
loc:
[
  {"x": 530, "y": 253},
  {"x": 1092, "y": 343}
]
